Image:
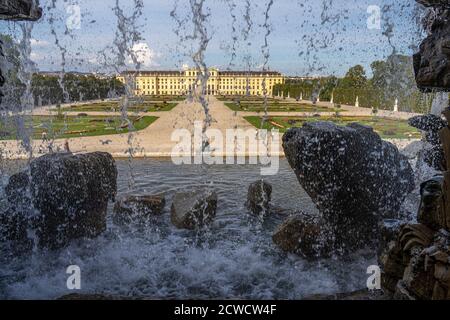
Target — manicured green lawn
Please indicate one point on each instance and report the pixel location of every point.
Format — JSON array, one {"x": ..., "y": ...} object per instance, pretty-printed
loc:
[
  {"x": 72, "y": 127},
  {"x": 244, "y": 98},
  {"x": 164, "y": 98},
  {"x": 277, "y": 106},
  {"x": 386, "y": 128},
  {"x": 114, "y": 107}
]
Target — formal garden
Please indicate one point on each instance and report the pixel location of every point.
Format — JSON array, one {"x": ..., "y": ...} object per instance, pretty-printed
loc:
[
  {"x": 243, "y": 98},
  {"x": 54, "y": 127},
  {"x": 115, "y": 106},
  {"x": 386, "y": 128},
  {"x": 276, "y": 105}
]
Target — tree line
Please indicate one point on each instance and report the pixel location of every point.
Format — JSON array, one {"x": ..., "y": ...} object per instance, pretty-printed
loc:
[
  {"x": 392, "y": 83},
  {"x": 52, "y": 89},
  {"x": 49, "y": 89}
]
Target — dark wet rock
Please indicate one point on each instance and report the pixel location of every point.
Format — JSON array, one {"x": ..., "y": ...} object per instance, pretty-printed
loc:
[
  {"x": 435, "y": 3},
  {"x": 259, "y": 197},
  {"x": 17, "y": 10},
  {"x": 402, "y": 292},
  {"x": 431, "y": 211},
  {"x": 303, "y": 235},
  {"x": 389, "y": 231},
  {"x": 355, "y": 178},
  {"x": 428, "y": 122},
  {"x": 13, "y": 232},
  {"x": 20, "y": 10},
  {"x": 419, "y": 280},
  {"x": 390, "y": 257},
  {"x": 434, "y": 154},
  {"x": 67, "y": 196},
  {"x": 193, "y": 209},
  {"x": 131, "y": 207},
  {"x": 432, "y": 62}
]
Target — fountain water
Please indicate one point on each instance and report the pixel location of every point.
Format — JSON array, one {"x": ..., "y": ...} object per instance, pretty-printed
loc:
[{"x": 236, "y": 256}]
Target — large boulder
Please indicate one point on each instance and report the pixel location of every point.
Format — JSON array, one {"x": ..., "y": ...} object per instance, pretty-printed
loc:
[
  {"x": 14, "y": 233},
  {"x": 258, "y": 197},
  {"x": 303, "y": 235},
  {"x": 193, "y": 209},
  {"x": 64, "y": 196},
  {"x": 20, "y": 10},
  {"x": 17, "y": 10},
  {"x": 432, "y": 62},
  {"x": 431, "y": 124},
  {"x": 435, "y": 3},
  {"x": 390, "y": 257},
  {"x": 131, "y": 207},
  {"x": 355, "y": 178}
]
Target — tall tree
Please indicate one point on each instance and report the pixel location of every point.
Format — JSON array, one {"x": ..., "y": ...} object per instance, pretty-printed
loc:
[
  {"x": 355, "y": 78},
  {"x": 395, "y": 75}
]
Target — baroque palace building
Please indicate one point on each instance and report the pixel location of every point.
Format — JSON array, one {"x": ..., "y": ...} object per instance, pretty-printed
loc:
[{"x": 219, "y": 82}]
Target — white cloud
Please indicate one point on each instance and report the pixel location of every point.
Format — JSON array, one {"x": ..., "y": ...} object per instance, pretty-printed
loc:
[
  {"x": 144, "y": 55},
  {"x": 35, "y": 56},
  {"x": 38, "y": 43}
]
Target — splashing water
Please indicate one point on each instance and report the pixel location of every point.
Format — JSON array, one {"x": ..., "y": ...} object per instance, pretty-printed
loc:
[
  {"x": 25, "y": 71},
  {"x": 246, "y": 35},
  {"x": 127, "y": 36},
  {"x": 236, "y": 259},
  {"x": 266, "y": 56}
]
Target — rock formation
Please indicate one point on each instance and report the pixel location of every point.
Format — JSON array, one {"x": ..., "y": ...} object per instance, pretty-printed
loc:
[
  {"x": 355, "y": 178},
  {"x": 435, "y": 3},
  {"x": 258, "y": 197},
  {"x": 62, "y": 197},
  {"x": 131, "y": 207},
  {"x": 193, "y": 209},
  {"x": 416, "y": 261},
  {"x": 17, "y": 10},
  {"x": 303, "y": 235},
  {"x": 20, "y": 10},
  {"x": 431, "y": 125},
  {"x": 432, "y": 62}
]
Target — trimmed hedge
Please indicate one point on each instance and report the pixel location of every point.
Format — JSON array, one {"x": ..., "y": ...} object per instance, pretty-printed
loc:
[{"x": 414, "y": 101}]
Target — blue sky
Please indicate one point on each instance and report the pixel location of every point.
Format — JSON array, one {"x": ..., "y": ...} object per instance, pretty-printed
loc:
[{"x": 332, "y": 40}]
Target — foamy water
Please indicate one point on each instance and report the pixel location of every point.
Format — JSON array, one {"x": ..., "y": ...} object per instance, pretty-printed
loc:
[{"x": 235, "y": 258}]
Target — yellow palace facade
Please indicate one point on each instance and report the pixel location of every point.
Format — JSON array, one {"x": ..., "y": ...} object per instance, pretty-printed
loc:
[{"x": 185, "y": 82}]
